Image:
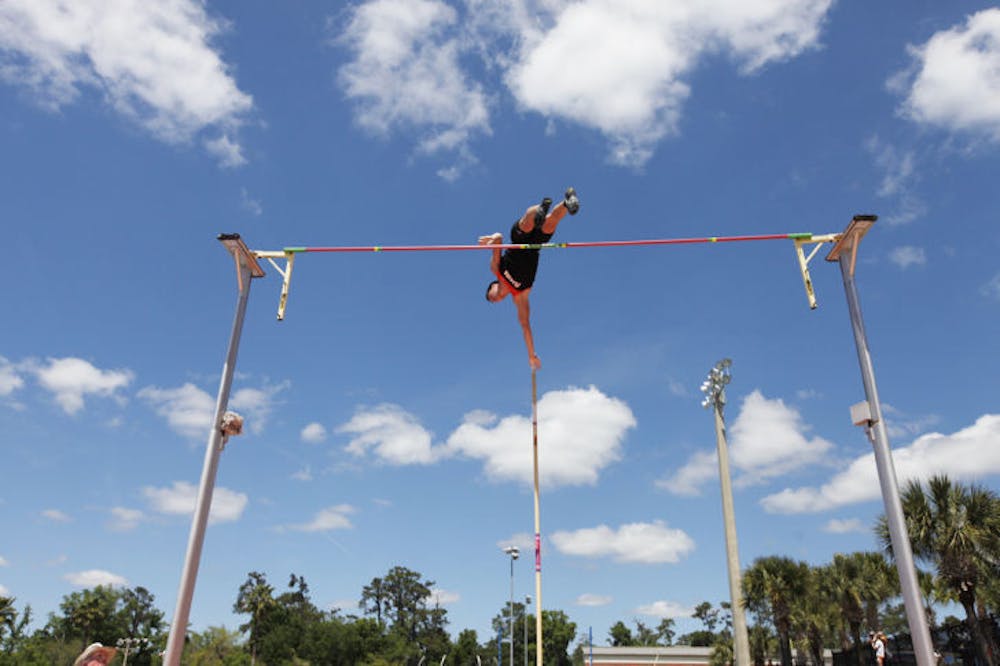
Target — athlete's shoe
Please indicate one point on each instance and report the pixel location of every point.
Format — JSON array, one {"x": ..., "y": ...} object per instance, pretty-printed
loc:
[
  {"x": 542, "y": 211},
  {"x": 571, "y": 201}
]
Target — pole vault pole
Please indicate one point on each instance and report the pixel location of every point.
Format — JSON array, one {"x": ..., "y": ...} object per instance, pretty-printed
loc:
[
  {"x": 538, "y": 523},
  {"x": 247, "y": 268},
  {"x": 846, "y": 253}
]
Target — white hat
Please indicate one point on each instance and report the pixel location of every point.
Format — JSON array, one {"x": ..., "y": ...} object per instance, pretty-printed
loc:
[{"x": 93, "y": 650}]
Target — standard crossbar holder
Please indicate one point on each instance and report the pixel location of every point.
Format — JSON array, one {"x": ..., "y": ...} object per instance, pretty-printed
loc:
[
  {"x": 851, "y": 238},
  {"x": 801, "y": 240},
  {"x": 286, "y": 273}
]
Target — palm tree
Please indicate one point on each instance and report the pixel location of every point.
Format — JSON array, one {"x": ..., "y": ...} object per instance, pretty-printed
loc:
[
  {"x": 256, "y": 598},
  {"x": 957, "y": 529},
  {"x": 770, "y": 586},
  {"x": 815, "y": 614},
  {"x": 881, "y": 583},
  {"x": 8, "y": 614},
  {"x": 845, "y": 575}
]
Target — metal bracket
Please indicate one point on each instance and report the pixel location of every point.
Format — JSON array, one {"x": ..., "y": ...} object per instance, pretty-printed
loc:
[
  {"x": 288, "y": 254},
  {"x": 800, "y": 241}
]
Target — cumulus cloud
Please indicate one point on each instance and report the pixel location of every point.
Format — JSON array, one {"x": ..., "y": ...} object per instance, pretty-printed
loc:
[
  {"x": 899, "y": 176},
  {"x": 189, "y": 410},
  {"x": 304, "y": 474},
  {"x": 124, "y": 519},
  {"x": 665, "y": 609},
  {"x": 325, "y": 520},
  {"x": 392, "y": 434},
  {"x": 56, "y": 516},
  {"x": 954, "y": 82},
  {"x": 96, "y": 578},
  {"x": 992, "y": 288},
  {"x": 644, "y": 543},
  {"x": 587, "y": 599},
  {"x": 766, "y": 440},
  {"x": 4, "y": 592},
  {"x": 10, "y": 378},
  {"x": 406, "y": 73},
  {"x": 439, "y": 597},
  {"x": 314, "y": 433},
  {"x": 71, "y": 380},
  {"x": 967, "y": 454},
  {"x": 583, "y": 431},
  {"x": 407, "y": 68},
  {"x": 4, "y": 562},
  {"x": 905, "y": 256},
  {"x": 844, "y": 526},
  {"x": 151, "y": 62},
  {"x": 180, "y": 499}
]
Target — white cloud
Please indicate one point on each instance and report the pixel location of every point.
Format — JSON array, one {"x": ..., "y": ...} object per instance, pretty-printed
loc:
[
  {"x": 229, "y": 153},
  {"x": 439, "y": 597},
  {"x": 188, "y": 409},
  {"x": 124, "y": 520},
  {"x": 10, "y": 380},
  {"x": 898, "y": 180},
  {"x": 992, "y": 288},
  {"x": 330, "y": 518},
  {"x": 256, "y": 404},
  {"x": 4, "y": 562},
  {"x": 630, "y": 61},
  {"x": 967, "y": 454},
  {"x": 582, "y": 431},
  {"x": 955, "y": 82},
  {"x": 899, "y": 425},
  {"x": 56, "y": 516},
  {"x": 844, "y": 526},
  {"x": 314, "y": 433},
  {"x": 73, "y": 379},
  {"x": 766, "y": 440},
  {"x": 4, "y": 592},
  {"x": 180, "y": 499},
  {"x": 304, "y": 474},
  {"x": 587, "y": 599},
  {"x": 392, "y": 434},
  {"x": 152, "y": 62},
  {"x": 905, "y": 256},
  {"x": 665, "y": 609},
  {"x": 524, "y": 541},
  {"x": 689, "y": 480},
  {"x": 249, "y": 204},
  {"x": 406, "y": 73},
  {"x": 645, "y": 543},
  {"x": 95, "y": 578}
]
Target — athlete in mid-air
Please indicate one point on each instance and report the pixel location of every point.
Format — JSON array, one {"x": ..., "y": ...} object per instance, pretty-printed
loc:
[{"x": 515, "y": 268}]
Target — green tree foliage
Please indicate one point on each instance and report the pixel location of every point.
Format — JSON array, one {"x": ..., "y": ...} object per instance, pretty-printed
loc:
[
  {"x": 620, "y": 635},
  {"x": 956, "y": 528},
  {"x": 256, "y": 599},
  {"x": 770, "y": 587}
]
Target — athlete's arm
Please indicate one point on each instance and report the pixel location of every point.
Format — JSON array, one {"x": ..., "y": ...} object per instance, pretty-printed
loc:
[{"x": 524, "y": 317}]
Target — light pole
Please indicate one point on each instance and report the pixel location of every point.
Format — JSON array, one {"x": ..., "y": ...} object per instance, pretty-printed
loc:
[
  {"x": 869, "y": 415},
  {"x": 128, "y": 645},
  {"x": 714, "y": 389},
  {"x": 514, "y": 552},
  {"x": 524, "y": 623}
]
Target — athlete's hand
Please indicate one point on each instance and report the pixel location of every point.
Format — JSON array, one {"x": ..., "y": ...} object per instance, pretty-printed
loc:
[{"x": 534, "y": 362}]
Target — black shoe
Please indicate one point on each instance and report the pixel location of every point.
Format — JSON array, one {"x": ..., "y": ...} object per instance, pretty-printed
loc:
[
  {"x": 571, "y": 201},
  {"x": 542, "y": 211}
]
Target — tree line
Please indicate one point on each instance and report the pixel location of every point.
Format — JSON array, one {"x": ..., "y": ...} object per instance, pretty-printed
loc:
[{"x": 954, "y": 530}]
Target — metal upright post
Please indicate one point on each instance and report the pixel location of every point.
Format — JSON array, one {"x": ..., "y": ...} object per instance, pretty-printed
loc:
[
  {"x": 846, "y": 252},
  {"x": 247, "y": 268},
  {"x": 715, "y": 396}
]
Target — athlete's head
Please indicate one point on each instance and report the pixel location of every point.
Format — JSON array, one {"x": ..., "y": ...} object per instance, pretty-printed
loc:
[{"x": 495, "y": 292}]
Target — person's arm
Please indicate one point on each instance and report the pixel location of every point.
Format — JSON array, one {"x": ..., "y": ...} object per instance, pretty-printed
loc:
[{"x": 524, "y": 317}]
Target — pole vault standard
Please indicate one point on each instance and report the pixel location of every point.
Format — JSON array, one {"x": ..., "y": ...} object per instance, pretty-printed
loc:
[
  {"x": 869, "y": 414},
  {"x": 247, "y": 268},
  {"x": 844, "y": 251}
]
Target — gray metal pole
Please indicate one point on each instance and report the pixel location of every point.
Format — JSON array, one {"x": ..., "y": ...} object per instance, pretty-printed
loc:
[
  {"x": 741, "y": 639},
  {"x": 246, "y": 269},
  {"x": 511, "y": 632},
  {"x": 902, "y": 552}
]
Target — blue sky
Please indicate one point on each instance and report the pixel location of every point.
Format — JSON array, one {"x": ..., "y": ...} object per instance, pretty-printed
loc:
[{"x": 388, "y": 416}]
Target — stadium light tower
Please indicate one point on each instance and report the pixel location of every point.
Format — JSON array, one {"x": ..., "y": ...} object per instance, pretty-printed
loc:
[
  {"x": 514, "y": 553},
  {"x": 714, "y": 389}
]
